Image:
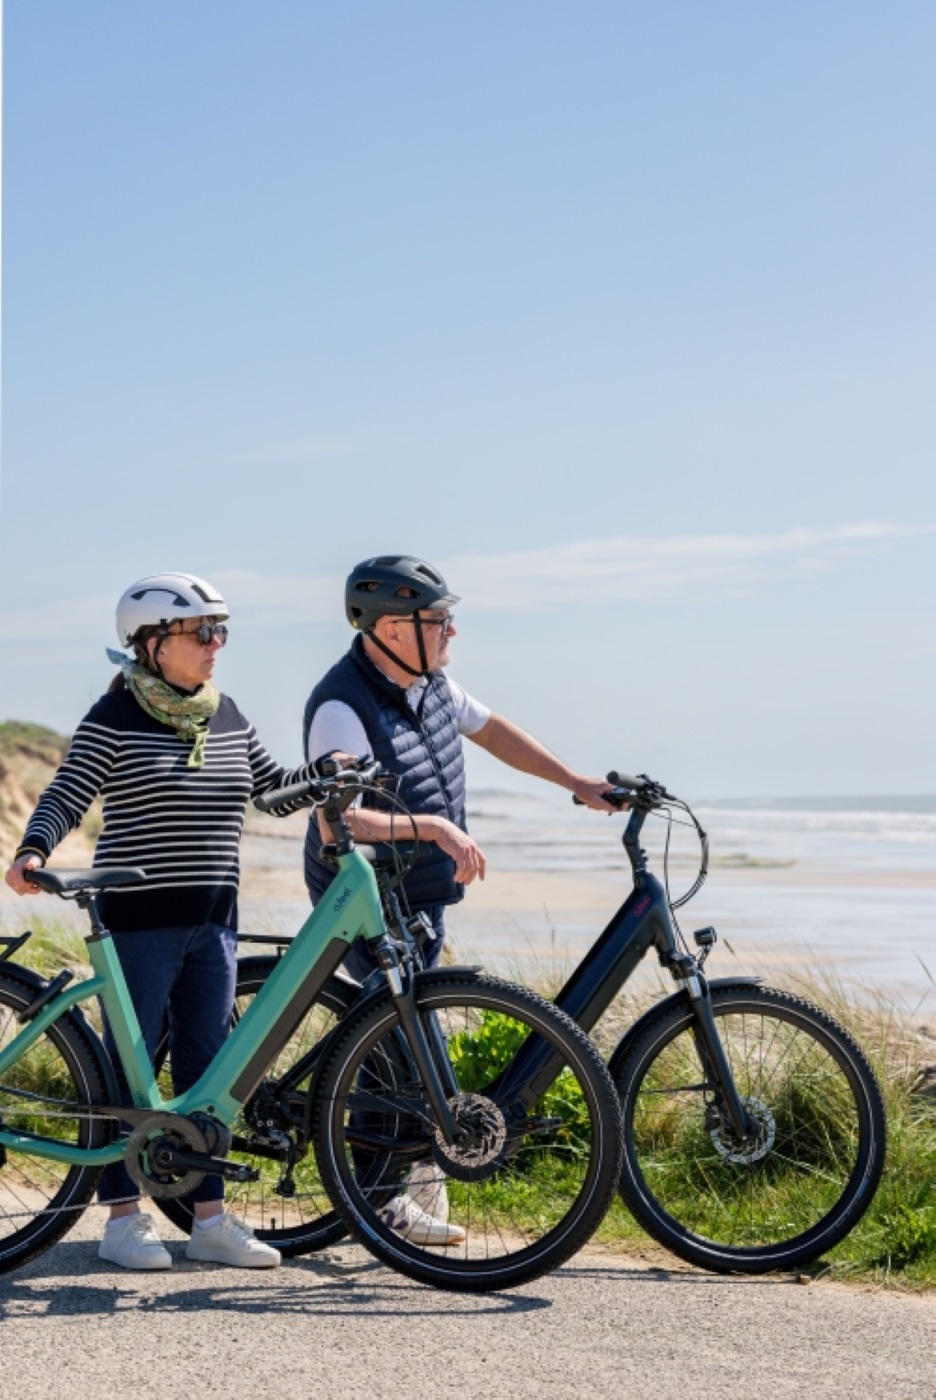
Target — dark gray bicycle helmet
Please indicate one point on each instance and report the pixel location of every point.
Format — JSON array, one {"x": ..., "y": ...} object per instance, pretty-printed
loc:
[{"x": 395, "y": 585}]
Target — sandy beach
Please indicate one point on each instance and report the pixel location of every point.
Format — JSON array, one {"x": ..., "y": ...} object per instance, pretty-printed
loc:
[
  {"x": 552, "y": 884},
  {"x": 868, "y": 920}
]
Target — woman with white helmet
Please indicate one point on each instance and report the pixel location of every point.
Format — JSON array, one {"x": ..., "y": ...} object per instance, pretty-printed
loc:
[{"x": 176, "y": 763}]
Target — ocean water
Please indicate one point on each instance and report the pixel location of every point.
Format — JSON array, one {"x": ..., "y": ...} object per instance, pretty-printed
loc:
[
  {"x": 847, "y": 884},
  {"x": 840, "y": 883},
  {"x": 884, "y": 833}
]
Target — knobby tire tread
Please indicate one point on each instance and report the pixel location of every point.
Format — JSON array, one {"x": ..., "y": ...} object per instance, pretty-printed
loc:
[{"x": 859, "y": 1191}]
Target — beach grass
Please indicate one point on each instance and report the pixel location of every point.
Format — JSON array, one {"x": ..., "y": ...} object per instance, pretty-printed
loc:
[{"x": 895, "y": 1243}]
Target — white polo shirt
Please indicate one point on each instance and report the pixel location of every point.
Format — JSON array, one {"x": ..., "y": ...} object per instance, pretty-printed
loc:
[{"x": 336, "y": 726}]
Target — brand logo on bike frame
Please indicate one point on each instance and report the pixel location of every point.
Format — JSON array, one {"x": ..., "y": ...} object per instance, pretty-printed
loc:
[
  {"x": 641, "y": 906},
  {"x": 342, "y": 900}
]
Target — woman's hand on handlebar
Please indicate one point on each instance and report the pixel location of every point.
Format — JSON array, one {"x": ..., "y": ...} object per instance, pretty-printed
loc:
[{"x": 16, "y": 875}]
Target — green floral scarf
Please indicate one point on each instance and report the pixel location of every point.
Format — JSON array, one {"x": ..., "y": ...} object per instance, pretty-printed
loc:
[{"x": 188, "y": 715}]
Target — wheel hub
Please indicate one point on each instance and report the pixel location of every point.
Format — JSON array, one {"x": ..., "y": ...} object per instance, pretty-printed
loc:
[
  {"x": 483, "y": 1134},
  {"x": 746, "y": 1150}
]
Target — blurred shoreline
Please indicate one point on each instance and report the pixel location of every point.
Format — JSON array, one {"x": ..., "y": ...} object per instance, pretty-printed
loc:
[{"x": 793, "y": 888}]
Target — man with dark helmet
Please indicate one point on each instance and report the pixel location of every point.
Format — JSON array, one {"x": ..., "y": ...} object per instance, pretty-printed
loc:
[{"x": 389, "y": 697}]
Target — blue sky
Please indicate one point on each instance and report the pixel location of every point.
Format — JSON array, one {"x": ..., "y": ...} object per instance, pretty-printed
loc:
[{"x": 624, "y": 314}]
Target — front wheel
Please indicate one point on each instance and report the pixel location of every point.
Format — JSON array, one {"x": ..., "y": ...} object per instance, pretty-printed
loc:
[
  {"x": 529, "y": 1182},
  {"x": 803, "y": 1177}
]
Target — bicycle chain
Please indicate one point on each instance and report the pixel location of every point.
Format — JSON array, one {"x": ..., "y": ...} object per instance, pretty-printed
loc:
[{"x": 89, "y": 1205}]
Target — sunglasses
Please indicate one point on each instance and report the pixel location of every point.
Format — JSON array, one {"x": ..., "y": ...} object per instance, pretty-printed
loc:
[{"x": 206, "y": 632}]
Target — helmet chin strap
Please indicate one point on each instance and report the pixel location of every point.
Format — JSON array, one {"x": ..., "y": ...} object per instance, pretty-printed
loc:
[{"x": 398, "y": 660}]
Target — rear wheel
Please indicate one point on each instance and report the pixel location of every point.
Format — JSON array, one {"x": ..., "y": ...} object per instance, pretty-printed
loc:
[
  {"x": 43, "y": 1093},
  {"x": 528, "y": 1184},
  {"x": 799, "y": 1182},
  {"x": 287, "y": 1209}
]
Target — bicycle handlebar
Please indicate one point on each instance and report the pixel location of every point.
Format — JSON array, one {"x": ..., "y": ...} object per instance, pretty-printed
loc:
[
  {"x": 625, "y": 787},
  {"x": 282, "y": 797},
  {"x": 347, "y": 782}
]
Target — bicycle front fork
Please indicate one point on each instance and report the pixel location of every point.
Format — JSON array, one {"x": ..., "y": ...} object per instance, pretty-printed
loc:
[
  {"x": 429, "y": 1051},
  {"x": 711, "y": 1051}
]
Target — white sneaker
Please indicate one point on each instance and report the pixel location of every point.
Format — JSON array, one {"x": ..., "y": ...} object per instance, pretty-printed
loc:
[
  {"x": 134, "y": 1244},
  {"x": 426, "y": 1185},
  {"x": 231, "y": 1242},
  {"x": 403, "y": 1215}
]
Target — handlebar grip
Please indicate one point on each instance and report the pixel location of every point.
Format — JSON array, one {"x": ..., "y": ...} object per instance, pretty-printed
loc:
[
  {"x": 625, "y": 780},
  {"x": 280, "y": 797}
]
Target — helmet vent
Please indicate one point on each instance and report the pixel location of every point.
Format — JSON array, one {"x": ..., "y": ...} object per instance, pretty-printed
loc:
[
  {"x": 428, "y": 573},
  {"x": 366, "y": 585},
  {"x": 177, "y": 601},
  {"x": 387, "y": 560}
]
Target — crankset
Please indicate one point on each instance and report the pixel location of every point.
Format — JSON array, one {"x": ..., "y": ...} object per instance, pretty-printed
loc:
[{"x": 168, "y": 1156}]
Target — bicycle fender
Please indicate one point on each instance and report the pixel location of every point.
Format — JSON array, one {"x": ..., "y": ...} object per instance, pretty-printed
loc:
[
  {"x": 34, "y": 982},
  {"x": 677, "y": 998},
  {"x": 437, "y": 974}
]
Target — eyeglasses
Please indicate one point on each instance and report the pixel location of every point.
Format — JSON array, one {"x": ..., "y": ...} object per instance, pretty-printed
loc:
[
  {"x": 447, "y": 623},
  {"x": 205, "y": 633}
]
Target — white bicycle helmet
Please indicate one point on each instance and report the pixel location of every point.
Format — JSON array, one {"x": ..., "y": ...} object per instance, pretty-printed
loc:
[{"x": 159, "y": 599}]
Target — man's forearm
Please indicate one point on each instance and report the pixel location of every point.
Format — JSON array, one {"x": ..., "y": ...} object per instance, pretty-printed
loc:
[
  {"x": 367, "y": 825},
  {"x": 520, "y": 750}
]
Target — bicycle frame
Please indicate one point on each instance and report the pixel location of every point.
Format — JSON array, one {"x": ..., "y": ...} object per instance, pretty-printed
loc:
[
  {"x": 643, "y": 921},
  {"x": 352, "y": 907}
]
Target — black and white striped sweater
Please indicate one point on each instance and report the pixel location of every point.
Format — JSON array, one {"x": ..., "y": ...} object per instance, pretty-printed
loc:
[{"x": 181, "y": 825}]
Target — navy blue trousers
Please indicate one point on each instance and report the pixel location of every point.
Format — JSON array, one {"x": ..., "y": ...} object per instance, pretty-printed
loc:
[{"x": 181, "y": 980}]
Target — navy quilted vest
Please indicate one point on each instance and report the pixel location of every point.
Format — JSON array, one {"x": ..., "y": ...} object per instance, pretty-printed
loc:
[{"x": 423, "y": 748}]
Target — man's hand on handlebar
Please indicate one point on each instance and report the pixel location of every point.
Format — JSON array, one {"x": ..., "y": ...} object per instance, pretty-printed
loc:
[{"x": 588, "y": 791}]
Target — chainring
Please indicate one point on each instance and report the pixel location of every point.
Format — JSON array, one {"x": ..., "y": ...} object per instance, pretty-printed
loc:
[{"x": 144, "y": 1142}]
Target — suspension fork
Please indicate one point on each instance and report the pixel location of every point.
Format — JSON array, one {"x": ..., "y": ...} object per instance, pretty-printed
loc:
[
  {"x": 711, "y": 1052},
  {"x": 402, "y": 986}
]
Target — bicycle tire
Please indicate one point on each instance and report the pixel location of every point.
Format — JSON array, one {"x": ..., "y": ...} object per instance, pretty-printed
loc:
[
  {"x": 529, "y": 1207},
  {"x": 307, "y": 1221},
  {"x": 65, "y": 1064},
  {"x": 797, "y": 1186}
]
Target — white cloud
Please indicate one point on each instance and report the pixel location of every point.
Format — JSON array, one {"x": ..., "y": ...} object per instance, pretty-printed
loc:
[
  {"x": 624, "y": 568},
  {"x": 631, "y": 568}
]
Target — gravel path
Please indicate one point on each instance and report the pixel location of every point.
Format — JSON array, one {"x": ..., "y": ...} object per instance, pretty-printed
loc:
[{"x": 337, "y": 1324}]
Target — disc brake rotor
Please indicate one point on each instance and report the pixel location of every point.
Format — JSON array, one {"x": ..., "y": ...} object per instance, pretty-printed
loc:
[
  {"x": 744, "y": 1151},
  {"x": 485, "y": 1131},
  {"x": 159, "y": 1131}
]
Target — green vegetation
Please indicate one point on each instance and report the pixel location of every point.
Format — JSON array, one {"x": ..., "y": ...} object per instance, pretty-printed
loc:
[
  {"x": 29, "y": 756},
  {"x": 895, "y": 1243},
  {"x": 16, "y": 736}
]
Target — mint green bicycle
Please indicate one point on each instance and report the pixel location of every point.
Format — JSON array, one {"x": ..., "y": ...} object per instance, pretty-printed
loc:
[{"x": 449, "y": 1077}]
